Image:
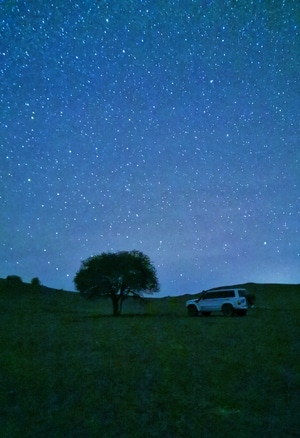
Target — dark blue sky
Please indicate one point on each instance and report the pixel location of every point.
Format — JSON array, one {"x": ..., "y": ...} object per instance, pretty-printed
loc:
[{"x": 170, "y": 127}]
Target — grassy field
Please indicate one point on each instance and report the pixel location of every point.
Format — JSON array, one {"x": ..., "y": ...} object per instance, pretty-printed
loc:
[{"x": 69, "y": 369}]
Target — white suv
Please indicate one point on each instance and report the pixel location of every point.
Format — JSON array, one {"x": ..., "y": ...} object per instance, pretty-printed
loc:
[{"x": 229, "y": 301}]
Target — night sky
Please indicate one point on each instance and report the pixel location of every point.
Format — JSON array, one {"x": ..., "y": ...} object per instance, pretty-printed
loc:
[{"x": 169, "y": 127}]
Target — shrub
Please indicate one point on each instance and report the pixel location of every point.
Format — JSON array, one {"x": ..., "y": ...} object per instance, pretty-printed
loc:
[
  {"x": 36, "y": 282},
  {"x": 14, "y": 279},
  {"x": 14, "y": 282}
]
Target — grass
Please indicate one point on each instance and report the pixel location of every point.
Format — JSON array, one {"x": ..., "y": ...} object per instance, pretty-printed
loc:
[{"x": 69, "y": 369}]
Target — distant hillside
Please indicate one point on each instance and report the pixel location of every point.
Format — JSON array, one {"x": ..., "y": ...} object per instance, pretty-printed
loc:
[
  {"x": 20, "y": 286},
  {"x": 254, "y": 288},
  {"x": 24, "y": 298},
  {"x": 13, "y": 284},
  {"x": 265, "y": 287}
]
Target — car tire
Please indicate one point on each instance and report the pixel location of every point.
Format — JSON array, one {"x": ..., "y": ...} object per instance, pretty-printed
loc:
[
  {"x": 192, "y": 311},
  {"x": 227, "y": 310}
]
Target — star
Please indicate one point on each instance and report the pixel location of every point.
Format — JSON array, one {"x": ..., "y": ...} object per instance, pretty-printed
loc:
[{"x": 170, "y": 129}]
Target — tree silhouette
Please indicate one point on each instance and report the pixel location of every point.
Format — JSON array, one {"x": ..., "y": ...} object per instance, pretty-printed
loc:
[
  {"x": 36, "y": 282},
  {"x": 14, "y": 279},
  {"x": 116, "y": 275},
  {"x": 14, "y": 283}
]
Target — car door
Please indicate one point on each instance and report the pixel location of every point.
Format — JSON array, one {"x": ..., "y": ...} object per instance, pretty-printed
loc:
[{"x": 209, "y": 302}]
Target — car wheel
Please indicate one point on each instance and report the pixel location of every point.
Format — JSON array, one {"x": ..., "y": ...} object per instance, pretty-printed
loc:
[
  {"x": 205, "y": 313},
  {"x": 227, "y": 310},
  {"x": 192, "y": 311}
]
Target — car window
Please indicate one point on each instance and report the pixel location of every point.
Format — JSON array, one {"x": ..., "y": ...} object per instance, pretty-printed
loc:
[
  {"x": 243, "y": 293},
  {"x": 210, "y": 295},
  {"x": 228, "y": 294},
  {"x": 219, "y": 294}
]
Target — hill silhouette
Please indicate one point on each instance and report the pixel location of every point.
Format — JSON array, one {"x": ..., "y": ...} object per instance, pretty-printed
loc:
[{"x": 25, "y": 294}]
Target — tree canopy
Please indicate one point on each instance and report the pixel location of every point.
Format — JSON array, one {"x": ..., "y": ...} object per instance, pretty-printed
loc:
[{"x": 116, "y": 275}]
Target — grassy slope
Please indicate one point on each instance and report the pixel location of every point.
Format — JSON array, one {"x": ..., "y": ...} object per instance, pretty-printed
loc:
[{"x": 68, "y": 370}]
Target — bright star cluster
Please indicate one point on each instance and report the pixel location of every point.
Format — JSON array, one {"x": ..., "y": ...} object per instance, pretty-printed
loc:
[{"x": 167, "y": 127}]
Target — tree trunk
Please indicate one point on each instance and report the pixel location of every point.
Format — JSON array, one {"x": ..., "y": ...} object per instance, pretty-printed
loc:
[
  {"x": 122, "y": 298},
  {"x": 115, "y": 302}
]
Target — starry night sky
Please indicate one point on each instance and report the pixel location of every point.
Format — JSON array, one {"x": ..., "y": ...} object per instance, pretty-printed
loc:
[{"x": 170, "y": 127}]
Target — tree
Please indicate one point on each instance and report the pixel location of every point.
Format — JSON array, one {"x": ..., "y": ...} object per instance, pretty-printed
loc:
[
  {"x": 14, "y": 282},
  {"x": 36, "y": 282},
  {"x": 116, "y": 275},
  {"x": 14, "y": 279}
]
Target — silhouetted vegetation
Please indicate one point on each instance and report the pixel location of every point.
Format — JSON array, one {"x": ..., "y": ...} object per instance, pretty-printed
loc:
[
  {"x": 14, "y": 282},
  {"x": 116, "y": 275},
  {"x": 35, "y": 282},
  {"x": 14, "y": 279}
]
